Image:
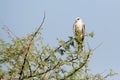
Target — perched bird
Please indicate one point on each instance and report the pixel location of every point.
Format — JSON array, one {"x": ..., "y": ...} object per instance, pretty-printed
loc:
[{"x": 79, "y": 32}]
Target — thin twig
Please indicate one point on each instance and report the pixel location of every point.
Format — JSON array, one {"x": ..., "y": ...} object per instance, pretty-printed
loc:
[
  {"x": 36, "y": 68},
  {"x": 61, "y": 45},
  {"x": 73, "y": 59},
  {"x": 97, "y": 46}
]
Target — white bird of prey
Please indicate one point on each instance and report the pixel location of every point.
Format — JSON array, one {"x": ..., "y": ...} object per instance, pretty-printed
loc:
[{"x": 79, "y": 32}]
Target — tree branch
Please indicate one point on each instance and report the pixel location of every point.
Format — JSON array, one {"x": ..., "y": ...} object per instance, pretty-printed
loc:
[
  {"x": 59, "y": 48},
  {"x": 9, "y": 32},
  {"x": 77, "y": 69},
  {"x": 73, "y": 59},
  {"x": 29, "y": 67},
  {"x": 29, "y": 45},
  {"x": 49, "y": 69}
]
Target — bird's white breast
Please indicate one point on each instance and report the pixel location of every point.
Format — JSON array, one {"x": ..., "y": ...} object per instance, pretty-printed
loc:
[{"x": 79, "y": 24}]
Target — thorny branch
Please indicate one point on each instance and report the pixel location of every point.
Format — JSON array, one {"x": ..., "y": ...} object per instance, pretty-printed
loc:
[{"x": 29, "y": 45}]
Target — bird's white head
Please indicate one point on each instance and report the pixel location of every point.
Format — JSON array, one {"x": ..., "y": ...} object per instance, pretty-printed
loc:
[{"x": 78, "y": 19}]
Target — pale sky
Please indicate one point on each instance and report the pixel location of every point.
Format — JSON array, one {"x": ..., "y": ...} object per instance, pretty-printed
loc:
[{"x": 100, "y": 16}]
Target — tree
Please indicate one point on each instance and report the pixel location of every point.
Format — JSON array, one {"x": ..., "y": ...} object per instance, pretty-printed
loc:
[{"x": 27, "y": 58}]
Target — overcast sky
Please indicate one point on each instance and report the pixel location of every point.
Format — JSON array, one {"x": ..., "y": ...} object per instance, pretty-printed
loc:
[{"x": 100, "y": 16}]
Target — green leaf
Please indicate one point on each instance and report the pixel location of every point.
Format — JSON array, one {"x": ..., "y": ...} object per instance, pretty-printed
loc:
[
  {"x": 91, "y": 34},
  {"x": 61, "y": 51}
]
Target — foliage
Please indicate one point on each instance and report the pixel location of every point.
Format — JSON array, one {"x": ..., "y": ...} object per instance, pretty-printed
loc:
[{"x": 27, "y": 58}]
